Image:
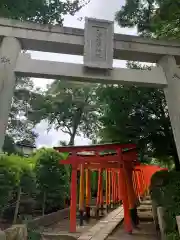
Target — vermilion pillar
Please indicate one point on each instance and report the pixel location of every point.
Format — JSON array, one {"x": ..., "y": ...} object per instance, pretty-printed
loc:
[
  {"x": 81, "y": 195},
  {"x": 101, "y": 199},
  {"x": 73, "y": 199},
  {"x": 135, "y": 182},
  {"x": 98, "y": 193},
  {"x": 88, "y": 193},
  {"x": 116, "y": 187},
  {"x": 125, "y": 202},
  {"x": 131, "y": 195},
  {"x": 113, "y": 187},
  {"x": 119, "y": 189},
  {"x": 107, "y": 190},
  {"x": 109, "y": 186}
]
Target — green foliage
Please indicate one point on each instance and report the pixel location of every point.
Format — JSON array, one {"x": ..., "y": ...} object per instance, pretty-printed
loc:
[
  {"x": 33, "y": 235},
  {"x": 158, "y": 181},
  {"x": 137, "y": 115},
  {"x": 34, "y": 177},
  {"x": 165, "y": 191},
  {"x": 154, "y": 18},
  {"x": 172, "y": 236},
  {"x": 68, "y": 106},
  {"x": 52, "y": 179},
  {"x": 39, "y": 11},
  {"x": 15, "y": 175},
  {"x": 9, "y": 145},
  {"x": 19, "y": 126},
  {"x": 9, "y": 177}
]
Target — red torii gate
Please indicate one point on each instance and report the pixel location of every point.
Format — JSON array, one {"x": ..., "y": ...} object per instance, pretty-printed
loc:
[
  {"x": 126, "y": 179},
  {"x": 119, "y": 163}
]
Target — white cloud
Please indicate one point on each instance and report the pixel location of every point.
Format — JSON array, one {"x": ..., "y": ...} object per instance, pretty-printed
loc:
[
  {"x": 53, "y": 137},
  {"x": 101, "y": 9}
]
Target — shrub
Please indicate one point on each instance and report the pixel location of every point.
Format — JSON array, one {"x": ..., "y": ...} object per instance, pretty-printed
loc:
[
  {"x": 165, "y": 188},
  {"x": 9, "y": 176},
  {"x": 52, "y": 180}
]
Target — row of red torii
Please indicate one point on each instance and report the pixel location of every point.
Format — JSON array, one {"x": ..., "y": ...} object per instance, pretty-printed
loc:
[{"x": 126, "y": 180}]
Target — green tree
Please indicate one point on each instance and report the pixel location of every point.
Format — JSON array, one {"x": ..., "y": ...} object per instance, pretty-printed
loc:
[
  {"x": 9, "y": 145},
  {"x": 155, "y": 18},
  {"x": 68, "y": 106},
  {"x": 40, "y": 11},
  {"x": 138, "y": 115},
  {"x": 19, "y": 126},
  {"x": 26, "y": 181},
  {"x": 52, "y": 180},
  {"x": 8, "y": 181},
  {"x": 17, "y": 178}
]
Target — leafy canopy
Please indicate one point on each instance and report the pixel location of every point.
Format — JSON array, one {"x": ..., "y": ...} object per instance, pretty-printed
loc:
[
  {"x": 52, "y": 179},
  {"x": 138, "y": 115},
  {"x": 68, "y": 106},
  {"x": 40, "y": 11},
  {"x": 155, "y": 18}
]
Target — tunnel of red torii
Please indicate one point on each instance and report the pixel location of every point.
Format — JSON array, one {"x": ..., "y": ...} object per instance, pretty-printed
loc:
[{"x": 126, "y": 180}]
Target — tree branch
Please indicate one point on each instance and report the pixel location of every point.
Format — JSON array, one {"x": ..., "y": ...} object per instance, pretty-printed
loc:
[{"x": 65, "y": 131}]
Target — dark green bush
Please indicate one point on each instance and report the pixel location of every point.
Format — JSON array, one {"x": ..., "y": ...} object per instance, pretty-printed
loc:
[
  {"x": 165, "y": 190},
  {"x": 52, "y": 180}
]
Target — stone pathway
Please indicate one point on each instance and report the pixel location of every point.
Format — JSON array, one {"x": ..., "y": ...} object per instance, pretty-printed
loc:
[
  {"x": 146, "y": 232},
  {"x": 62, "y": 228},
  {"x": 146, "y": 229},
  {"x": 101, "y": 230},
  {"x": 108, "y": 227}
]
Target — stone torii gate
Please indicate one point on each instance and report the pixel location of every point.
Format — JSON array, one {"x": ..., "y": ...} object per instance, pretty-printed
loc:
[{"x": 99, "y": 46}]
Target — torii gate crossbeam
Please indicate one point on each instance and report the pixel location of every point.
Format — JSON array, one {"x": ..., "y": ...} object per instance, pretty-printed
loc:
[{"x": 66, "y": 40}]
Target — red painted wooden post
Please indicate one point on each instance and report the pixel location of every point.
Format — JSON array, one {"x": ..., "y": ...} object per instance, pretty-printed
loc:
[
  {"x": 73, "y": 200},
  {"x": 81, "y": 194},
  {"x": 119, "y": 189},
  {"x": 101, "y": 187},
  {"x": 112, "y": 181},
  {"x": 88, "y": 193},
  {"x": 109, "y": 185},
  {"x": 125, "y": 202},
  {"x": 98, "y": 192},
  {"x": 107, "y": 188},
  {"x": 115, "y": 187},
  {"x": 136, "y": 184}
]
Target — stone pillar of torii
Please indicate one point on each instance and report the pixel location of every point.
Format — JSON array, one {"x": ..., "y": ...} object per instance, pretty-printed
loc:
[{"x": 99, "y": 46}]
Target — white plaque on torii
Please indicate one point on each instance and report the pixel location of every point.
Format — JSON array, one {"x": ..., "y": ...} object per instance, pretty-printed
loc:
[{"x": 98, "y": 43}]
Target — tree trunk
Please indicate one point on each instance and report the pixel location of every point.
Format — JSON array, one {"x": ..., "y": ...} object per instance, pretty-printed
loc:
[
  {"x": 44, "y": 203},
  {"x": 75, "y": 125},
  {"x": 17, "y": 205},
  {"x": 72, "y": 138}
]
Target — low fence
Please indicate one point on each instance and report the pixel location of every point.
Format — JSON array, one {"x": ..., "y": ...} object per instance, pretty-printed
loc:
[
  {"x": 49, "y": 219},
  {"x": 19, "y": 232}
]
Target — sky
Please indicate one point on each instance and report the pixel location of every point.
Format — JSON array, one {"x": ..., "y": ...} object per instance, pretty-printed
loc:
[{"x": 100, "y": 9}]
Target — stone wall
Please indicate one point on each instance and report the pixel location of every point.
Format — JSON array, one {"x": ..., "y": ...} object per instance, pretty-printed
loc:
[{"x": 16, "y": 232}]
